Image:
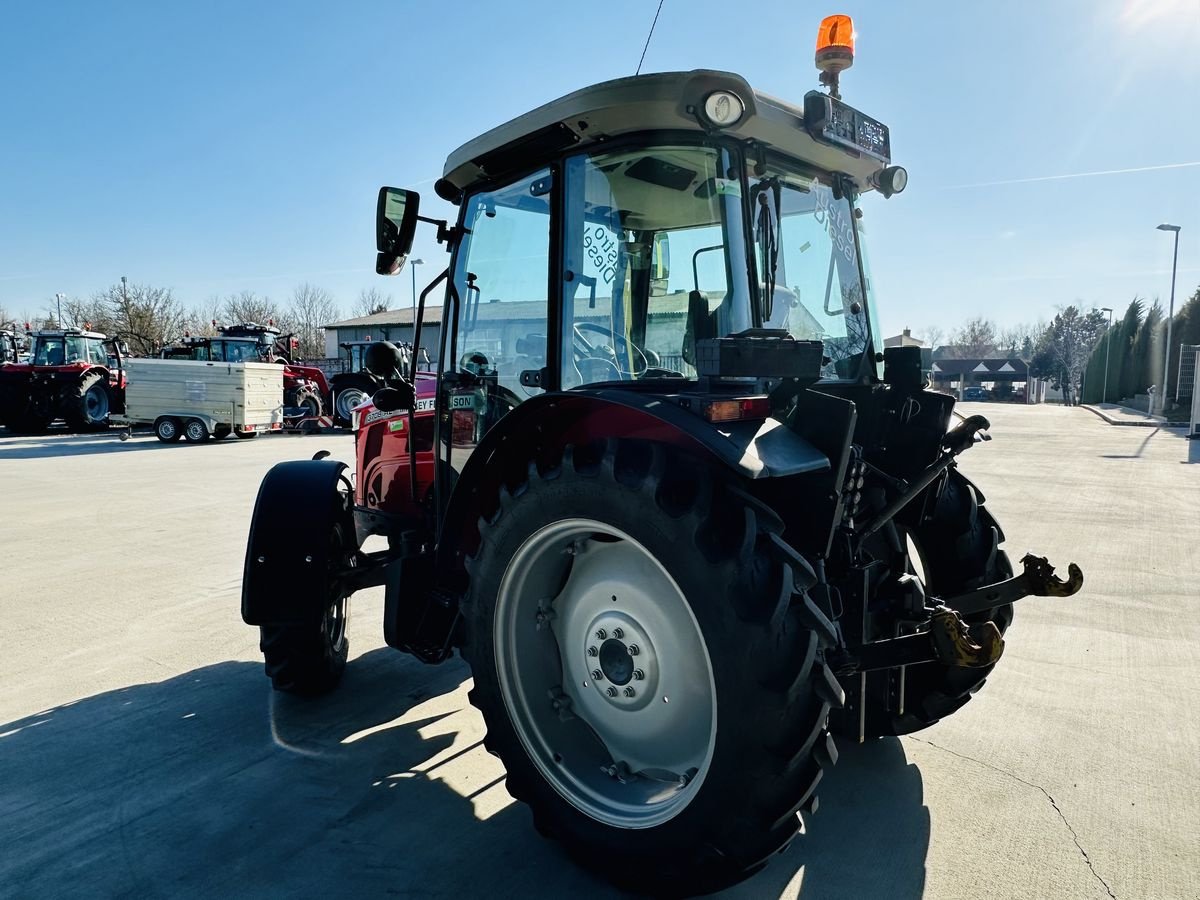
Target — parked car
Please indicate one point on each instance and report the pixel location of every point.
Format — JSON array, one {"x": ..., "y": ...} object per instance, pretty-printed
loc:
[{"x": 977, "y": 393}]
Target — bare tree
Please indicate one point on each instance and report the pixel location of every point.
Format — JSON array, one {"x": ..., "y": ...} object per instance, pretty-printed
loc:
[
  {"x": 932, "y": 335},
  {"x": 371, "y": 301},
  {"x": 247, "y": 306},
  {"x": 145, "y": 316},
  {"x": 975, "y": 339},
  {"x": 312, "y": 308}
]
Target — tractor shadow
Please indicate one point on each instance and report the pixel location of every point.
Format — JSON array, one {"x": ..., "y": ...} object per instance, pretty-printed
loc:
[{"x": 208, "y": 783}]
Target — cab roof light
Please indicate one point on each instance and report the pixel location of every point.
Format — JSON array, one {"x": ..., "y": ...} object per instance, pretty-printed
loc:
[
  {"x": 835, "y": 50},
  {"x": 737, "y": 409}
]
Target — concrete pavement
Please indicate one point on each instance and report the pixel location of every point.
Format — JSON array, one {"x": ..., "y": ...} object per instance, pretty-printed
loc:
[{"x": 143, "y": 753}]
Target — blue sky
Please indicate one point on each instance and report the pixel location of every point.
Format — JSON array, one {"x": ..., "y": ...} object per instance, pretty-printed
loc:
[{"x": 224, "y": 146}]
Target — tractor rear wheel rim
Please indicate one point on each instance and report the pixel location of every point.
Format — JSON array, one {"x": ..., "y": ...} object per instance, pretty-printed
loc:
[
  {"x": 605, "y": 673},
  {"x": 348, "y": 399},
  {"x": 95, "y": 403}
]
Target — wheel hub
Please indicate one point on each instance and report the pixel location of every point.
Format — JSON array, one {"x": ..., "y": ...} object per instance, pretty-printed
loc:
[{"x": 618, "y": 649}]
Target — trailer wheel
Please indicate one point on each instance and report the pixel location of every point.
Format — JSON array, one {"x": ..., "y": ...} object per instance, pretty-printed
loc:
[
  {"x": 958, "y": 550},
  {"x": 88, "y": 409},
  {"x": 166, "y": 429},
  {"x": 195, "y": 431},
  {"x": 245, "y": 435},
  {"x": 650, "y": 667},
  {"x": 310, "y": 659},
  {"x": 221, "y": 432}
]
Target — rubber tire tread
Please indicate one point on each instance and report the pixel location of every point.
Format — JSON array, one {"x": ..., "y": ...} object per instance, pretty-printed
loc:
[
  {"x": 774, "y": 689},
  {"x": 75, "y": 408},
  {"x": 959, "y": 544},
  {"x": 299, "y": 660}
]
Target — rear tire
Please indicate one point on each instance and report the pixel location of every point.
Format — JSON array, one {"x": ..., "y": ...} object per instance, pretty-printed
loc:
[
  {"x": 221, "y": 432},
  {"x": 743, "y": 652},
  {"x": 167, "y": 430},
  {"x": 348, "y": 392},
  {"x": 309, "y": 659},
  {"x": 959, "y": 550},
  {"x": 246, "y": 435},
  {"x": 88, "y": 409}
]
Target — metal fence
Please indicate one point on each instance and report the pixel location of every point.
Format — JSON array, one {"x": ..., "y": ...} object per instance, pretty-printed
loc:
[{"x": 1187, "y": 373}]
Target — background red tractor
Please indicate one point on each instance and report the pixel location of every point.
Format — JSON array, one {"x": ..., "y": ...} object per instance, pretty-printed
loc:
[{"x": 72, "y": 374}]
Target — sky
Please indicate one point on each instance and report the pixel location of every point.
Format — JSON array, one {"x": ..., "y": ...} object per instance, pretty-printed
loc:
[{"x": 224, "y": 146}]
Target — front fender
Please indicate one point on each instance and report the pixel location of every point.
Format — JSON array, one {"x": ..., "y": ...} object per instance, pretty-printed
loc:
[{"x": 288, "y": 551}]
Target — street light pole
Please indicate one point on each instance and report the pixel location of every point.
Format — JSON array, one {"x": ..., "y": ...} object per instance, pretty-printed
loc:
[
  {"x": 1107, "y": 350},
  {"x": 1162, "y": 396}
]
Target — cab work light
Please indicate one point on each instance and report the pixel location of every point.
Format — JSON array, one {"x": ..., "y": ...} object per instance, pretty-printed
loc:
[{"x": 737, "y": 409}]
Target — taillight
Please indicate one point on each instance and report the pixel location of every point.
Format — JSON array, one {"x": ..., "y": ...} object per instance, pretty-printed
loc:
[{"x": 737, "y": 409}]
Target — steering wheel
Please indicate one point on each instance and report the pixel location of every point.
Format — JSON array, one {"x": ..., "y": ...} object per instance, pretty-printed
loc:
[{"x": 588, "y": 351}]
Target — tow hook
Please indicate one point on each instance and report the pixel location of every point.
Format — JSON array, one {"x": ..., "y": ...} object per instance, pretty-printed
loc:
[
  {"x": 1037, "y": 580},
  {"x": 961, "y": 645},
  {"x": 949, "y": 640}
]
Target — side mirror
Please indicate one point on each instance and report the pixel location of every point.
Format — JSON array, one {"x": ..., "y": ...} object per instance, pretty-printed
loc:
[
  {"x": 660, "y": 265},
  {"x": 395, "y": 226},
  {"x": 390, "y": 399}
]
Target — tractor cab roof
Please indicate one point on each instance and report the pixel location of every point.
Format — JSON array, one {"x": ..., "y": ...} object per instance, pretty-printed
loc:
[
  {"x": 66, "y": 332},
  {"x": 246, "y": 329},
  {"x": 666, "y": 102}
]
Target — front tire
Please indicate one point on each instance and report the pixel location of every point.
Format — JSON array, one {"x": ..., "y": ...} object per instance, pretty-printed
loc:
[
  {"x": 309, "y": 659},
  {"x": 718, "y": 744},
  {"x": 958, "y": 546}
]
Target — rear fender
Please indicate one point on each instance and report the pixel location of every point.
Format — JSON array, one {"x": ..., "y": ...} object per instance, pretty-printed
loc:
[
  {"x": 751, "y": 450},
  {"x": 287, "y": 554}
]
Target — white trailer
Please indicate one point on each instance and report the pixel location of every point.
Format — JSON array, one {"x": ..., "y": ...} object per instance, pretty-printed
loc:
[{"x": 196, "y": 400}]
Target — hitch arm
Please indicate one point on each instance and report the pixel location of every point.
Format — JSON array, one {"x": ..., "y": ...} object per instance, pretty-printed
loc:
[
  {"x": 1037, "y": 580},
  {"x": 955, "y": 441},
  {"x": 949, "y": 640}
]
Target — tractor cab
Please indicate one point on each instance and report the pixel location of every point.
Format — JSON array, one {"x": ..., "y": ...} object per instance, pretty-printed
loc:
[
  {"x": 67, "y": 347},
  {"x": 270, "y": 344},
  {"x": 677, "y": 234}
]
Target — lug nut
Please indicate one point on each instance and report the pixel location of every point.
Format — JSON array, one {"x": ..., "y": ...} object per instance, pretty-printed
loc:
[
  {"x": 597, "y": 675},
  {"x": 592, "y": 651},
  {"x": 638, "y": 675},
  {"x": 612, "y": 691},
  {"x": 618, "y": 633},
  {"x": 629, "y": 692},
  {"x": 601, "y": 634},
  {"x": 634, "y": 650}
]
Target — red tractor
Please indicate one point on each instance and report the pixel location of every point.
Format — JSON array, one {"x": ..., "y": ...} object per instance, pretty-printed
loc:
[
  {"x": 683, "y": 522},
  {"x": 71, "y": 374},
  {"x": 304, "y": 387}
]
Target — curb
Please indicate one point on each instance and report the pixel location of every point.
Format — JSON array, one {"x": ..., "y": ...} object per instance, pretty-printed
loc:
[{"x": 1150, "y": 423}]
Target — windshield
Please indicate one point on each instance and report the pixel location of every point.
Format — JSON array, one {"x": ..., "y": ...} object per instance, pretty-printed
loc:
[
  {"x": 236, "y": 351},
  {"x": 809, "y": 269}
]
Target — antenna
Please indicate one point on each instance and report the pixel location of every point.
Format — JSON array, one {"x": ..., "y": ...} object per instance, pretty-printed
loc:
[{"x": 638, "y": 71}]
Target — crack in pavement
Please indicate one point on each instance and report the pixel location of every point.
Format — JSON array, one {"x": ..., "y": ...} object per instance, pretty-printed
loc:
[{"x": 1018, "y": 778}]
